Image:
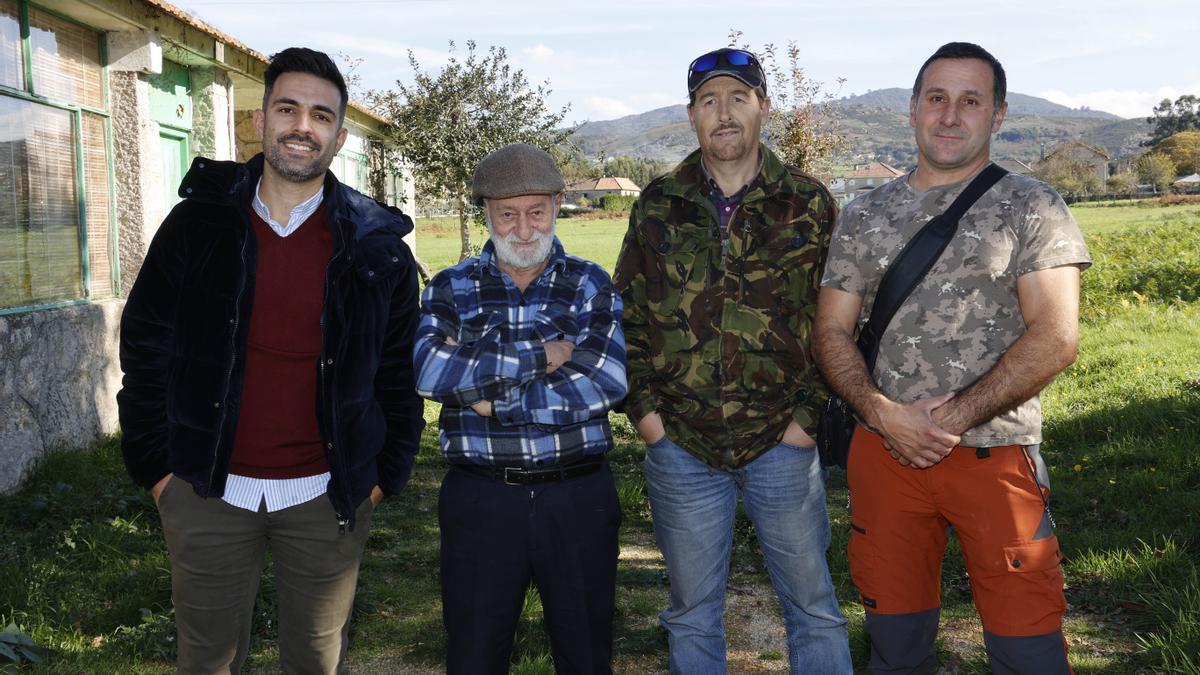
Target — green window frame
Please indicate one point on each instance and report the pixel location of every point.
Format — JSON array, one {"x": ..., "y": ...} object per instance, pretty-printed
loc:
[{"x": 39, "y": 89}]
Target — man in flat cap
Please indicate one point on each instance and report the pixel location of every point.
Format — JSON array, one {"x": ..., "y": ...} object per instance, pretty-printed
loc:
[
  {"x": 523, "y": 348},
  {"x": 719, "y": 272}
]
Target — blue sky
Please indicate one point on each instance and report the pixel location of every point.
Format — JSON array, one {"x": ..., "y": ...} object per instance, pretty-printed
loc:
[{"x": 617, "y": 57}]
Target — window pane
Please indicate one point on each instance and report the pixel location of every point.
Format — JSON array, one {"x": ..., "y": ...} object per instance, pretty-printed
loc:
[
  {"x": 39, "y": 215},
  {"x": 12, "y": 57},
  {"x": 66, "y": 60},
  {"x": 98, "y": 202}
]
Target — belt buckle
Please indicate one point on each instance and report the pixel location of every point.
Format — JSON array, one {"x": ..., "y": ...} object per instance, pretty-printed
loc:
[{"x": 507, "y": 481}]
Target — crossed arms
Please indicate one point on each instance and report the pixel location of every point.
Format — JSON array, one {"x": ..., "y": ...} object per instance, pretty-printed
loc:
[{"x": 554, "y": 381}]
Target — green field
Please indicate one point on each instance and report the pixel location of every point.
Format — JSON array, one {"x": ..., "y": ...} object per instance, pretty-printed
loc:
[
  {"x": 85, "y": 571},
  {"x": 439, "y": 243}
]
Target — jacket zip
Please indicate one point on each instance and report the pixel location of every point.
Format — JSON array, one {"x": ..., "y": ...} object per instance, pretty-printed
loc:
[
  {"x": 741, "y": 284},
  {"x": 331, "y": 443},
  {"x": 235, "y": 322}
]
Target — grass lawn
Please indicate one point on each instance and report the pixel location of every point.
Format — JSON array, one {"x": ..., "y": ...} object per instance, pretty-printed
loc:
[
  {"x": 86, "y": 572},
  {"x": 599, "y": 240}
]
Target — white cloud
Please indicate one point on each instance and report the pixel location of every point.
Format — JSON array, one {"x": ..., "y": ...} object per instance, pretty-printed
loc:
[
  {"x": 368, "y": 47},
  {"x": 656, "y": 99},
  {"x": 1123, "y": 102},
  {"x": 538, "y": 52},
  {"x": 598, "y": 108},
  {"x": 604, "y": 108}
]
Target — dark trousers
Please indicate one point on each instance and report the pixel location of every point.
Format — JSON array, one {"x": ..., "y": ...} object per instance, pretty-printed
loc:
[
  {"x": 217, "y": 556},
  {"x": 496, "y": 538}
]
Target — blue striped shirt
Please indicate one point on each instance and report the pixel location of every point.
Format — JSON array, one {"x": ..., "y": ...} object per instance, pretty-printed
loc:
[{"x": 539, "y": 420}]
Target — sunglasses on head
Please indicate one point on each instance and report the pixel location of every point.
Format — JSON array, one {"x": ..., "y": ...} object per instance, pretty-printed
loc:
[{"x": 732, "y": 57}]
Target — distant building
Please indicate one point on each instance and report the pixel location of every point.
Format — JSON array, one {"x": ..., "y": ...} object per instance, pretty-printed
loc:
[
  {"x": 1077, "y": 152},
  {"x": 1014, "y": 165},
  {"x": 594, "y": 189},
  {"x": 104, "y": 104},
  {"x": 1187, "y": 183},
  {"x": 862, "y": 179}
]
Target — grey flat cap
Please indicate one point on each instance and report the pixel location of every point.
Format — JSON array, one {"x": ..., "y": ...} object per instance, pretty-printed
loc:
[{"x": 516, "y": 170}]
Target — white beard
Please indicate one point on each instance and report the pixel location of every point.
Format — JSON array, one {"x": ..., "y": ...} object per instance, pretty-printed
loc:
[{"x": 524, "y": 258}]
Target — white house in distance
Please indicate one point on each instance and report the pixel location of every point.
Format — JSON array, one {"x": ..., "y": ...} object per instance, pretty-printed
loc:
[
  {"x": 103, "y": 106},
  {"x": 862, "y": 179},
  {"x": 1188, "y": 183},
  {"x": 594, "y": 189}
]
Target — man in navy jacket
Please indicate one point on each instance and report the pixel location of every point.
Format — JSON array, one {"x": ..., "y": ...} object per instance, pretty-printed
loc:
[{"x": 268, "y": 399}]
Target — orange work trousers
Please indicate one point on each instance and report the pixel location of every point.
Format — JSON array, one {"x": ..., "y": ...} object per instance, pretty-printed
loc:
[{"x": 999, "y": 511}]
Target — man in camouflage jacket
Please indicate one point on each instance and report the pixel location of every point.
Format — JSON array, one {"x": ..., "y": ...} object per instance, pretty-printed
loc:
[{"x": 719, "y": 274}]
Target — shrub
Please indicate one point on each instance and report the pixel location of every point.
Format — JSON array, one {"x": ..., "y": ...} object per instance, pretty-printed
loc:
[{"x": 617, "y": 202}]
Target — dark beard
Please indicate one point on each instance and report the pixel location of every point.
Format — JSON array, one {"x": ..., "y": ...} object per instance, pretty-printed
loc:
[{"x": 295, "y": 174}]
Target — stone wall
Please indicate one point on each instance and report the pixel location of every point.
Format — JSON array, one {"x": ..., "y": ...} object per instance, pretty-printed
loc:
[
  {"x": 132, "y": 168},
  {"x": 59, "y": 376},
  {"x": 204, "y": 142},
  {"x": 245, "y": 136}
]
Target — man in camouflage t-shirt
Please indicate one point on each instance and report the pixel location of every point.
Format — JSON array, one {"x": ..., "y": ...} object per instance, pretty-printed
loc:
[
  {"x": 951, "y": 420},
  {"x": 718, "y": 274}
]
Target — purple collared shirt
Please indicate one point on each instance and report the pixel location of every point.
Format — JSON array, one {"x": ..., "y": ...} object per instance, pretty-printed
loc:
[{"x": 727, "y": 205}]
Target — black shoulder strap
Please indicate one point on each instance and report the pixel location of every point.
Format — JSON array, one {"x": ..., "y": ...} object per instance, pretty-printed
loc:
[{"x": 915, "y": 261}]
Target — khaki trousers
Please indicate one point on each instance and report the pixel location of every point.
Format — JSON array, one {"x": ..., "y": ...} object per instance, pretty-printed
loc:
[{"x": 217, "y": 555}]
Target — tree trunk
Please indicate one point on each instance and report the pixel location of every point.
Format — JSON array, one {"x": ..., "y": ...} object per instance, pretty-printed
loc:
[
  {"x": 423, "y": 269},
  {"x": 464, "y": 228}
]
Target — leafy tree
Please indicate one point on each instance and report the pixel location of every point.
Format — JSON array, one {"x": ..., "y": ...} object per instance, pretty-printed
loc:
[
  {"x": 803, "y": 126},
  {"x": 1171, "y": 118},
  {"x": 574, "y": 165},
  {"x": 444, "y": 123},
  {"x": 1183, "y": 149},
  {"x": 636, "y": 169},
  {"x": 1156, "y": 169},
  {"x": 1123, "y": 183},
  {"x": 1068, "y": 175}
]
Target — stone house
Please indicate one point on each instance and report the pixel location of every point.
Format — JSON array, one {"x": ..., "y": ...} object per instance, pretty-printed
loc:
[
  {"x": 103, "y": 106},
  {"x": 1079, "y": 154}
]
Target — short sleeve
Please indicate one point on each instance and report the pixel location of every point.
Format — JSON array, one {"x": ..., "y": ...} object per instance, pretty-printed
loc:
[
  {"x": 842, "y": 270},
  {"x": 1048, "y": 234}
]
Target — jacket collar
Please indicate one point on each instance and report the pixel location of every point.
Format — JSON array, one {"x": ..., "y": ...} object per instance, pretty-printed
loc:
[{"x": 354, "y": 217}]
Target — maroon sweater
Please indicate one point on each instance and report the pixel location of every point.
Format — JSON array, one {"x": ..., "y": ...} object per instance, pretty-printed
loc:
[{"x": 277, "y": 434}]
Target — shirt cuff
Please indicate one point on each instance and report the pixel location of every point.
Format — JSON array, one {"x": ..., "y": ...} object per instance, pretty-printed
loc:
[
  {"x": 508, "y": 410},
  {"x": 637, "y": 407},
  {"x": 531, "y": 360}
]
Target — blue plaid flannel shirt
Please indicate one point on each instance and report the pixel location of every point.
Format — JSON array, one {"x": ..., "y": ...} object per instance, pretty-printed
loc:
[{"x": 538, "y": 420}]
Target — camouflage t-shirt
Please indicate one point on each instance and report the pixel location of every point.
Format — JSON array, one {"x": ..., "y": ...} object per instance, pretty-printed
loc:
[{"x": 964, "y": 314}]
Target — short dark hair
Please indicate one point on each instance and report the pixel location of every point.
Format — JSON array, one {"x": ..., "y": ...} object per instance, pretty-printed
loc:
[
  {"x": 968, "y": 50},
  {"x": 305, "y": 60}
]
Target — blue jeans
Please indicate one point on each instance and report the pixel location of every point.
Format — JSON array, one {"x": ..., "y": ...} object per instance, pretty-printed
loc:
[{"x": 693, "y": 507}]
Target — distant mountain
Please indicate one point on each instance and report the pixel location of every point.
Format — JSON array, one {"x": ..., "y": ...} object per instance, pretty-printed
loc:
[
  {"x": 663, "y": 134},
  {"x": 876, "y": 124},
  {"x": 897, "y": 98},
  {"x": 631, "y": 124}
]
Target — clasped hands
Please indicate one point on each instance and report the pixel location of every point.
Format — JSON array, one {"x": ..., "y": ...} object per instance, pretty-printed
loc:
[
  {"x": 558, "y": 352},
  {"x": 916, "y": 434}
]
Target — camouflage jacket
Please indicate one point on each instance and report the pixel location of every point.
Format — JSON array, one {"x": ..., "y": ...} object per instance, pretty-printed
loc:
[{"x": 718, "y": 340}]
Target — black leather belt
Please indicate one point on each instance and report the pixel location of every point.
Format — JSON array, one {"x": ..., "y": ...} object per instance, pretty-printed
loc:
[{"x": 515, "y": 475}]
